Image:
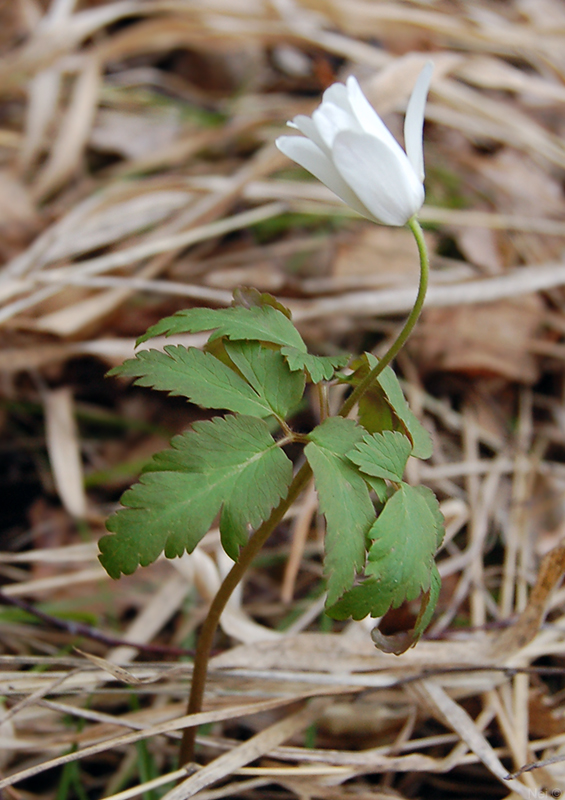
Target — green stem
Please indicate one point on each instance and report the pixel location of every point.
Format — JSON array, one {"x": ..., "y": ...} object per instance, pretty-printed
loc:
[
  {"x": 208, "y": 630},
  {"x": 256, "y": 542},
  {"x": 398, "y": 344},
  {"x": 322, "y": 392}
]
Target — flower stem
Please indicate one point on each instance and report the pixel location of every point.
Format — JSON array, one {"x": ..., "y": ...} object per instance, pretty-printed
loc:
[
  {"x": 398, "y": 344},
  {"x": 208, "y": 630},
  {"x": 258, "y": 539}
]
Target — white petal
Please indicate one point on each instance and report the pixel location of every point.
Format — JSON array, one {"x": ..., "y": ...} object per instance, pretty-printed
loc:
[
  {"x": 368, "y": 118},
  {"x": 309, "y": 156},
  {"x": 331, "y": 120},
  {"x": 414, "y": 120},
  {"x": 385, "y": 184},
  {"x": 337, "y": 94},
  {"x": 307, "y": 126}
]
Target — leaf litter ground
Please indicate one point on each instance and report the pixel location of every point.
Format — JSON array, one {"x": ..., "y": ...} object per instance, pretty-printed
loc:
[{"x": 139, "y": 177}]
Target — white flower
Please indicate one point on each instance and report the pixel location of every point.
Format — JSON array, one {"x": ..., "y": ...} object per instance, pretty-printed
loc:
[{"x": 349, "y": 149}]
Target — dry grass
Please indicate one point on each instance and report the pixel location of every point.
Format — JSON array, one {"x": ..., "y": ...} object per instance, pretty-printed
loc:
[{"x": 138, "y": 175}]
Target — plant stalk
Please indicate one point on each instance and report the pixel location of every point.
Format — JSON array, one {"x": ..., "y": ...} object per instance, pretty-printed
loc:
[
  {"x": 210, "y": 625},
  {"x": 258, "y": 539},
  {"x": 400, "y": 341}
]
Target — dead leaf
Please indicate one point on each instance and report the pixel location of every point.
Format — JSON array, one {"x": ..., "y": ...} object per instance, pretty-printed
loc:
[
  {"x": 192, "y": 720},
  {"x": 480, "y": 247},
  {"x": 459, "y": 720},
  {"x": 387, "y": 255},
  {"x": 18, "y": 217},
  {"x": 111, "y": 219},
  {"x": 520, "y": 634},
  {"x": 43, "y": 93},
  {"x": 63, "y": 447},
  {"x": 493, "y": 339},
  {"x": 7, "y": 731},
  {"x": 390, "y": 86},
  {"x": 73, "y": 133},
  {"x": 521, "y": 186},
  {"x": 493, "y": 73},
  {"x": 135, "y": 135},
  {"x": 264, "y": 277},
  {"x": 517, "y": 184},
  {"x": 16, "y": 205},
  {"x": 119, "y": 673},
  {"x": 250, "y": 750},
  {"x": 546, "y": 718}
]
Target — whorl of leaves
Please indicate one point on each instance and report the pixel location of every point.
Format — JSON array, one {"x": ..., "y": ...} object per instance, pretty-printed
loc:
[{"x": 382, "y": 534}]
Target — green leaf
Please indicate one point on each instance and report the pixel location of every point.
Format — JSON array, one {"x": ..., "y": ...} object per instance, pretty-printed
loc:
[
  {"x": 433, "y": 505},
  {"x": 375, "y": 411},
  {"x": 269, "y": 375},
  {"x": 384, "y": 407},
  {"x": 199, "y": 376},
  {"x": 401, "y": 560},
  {"x": 360, "y": 601},
  {"x": 421, "y": 439},
  {"x": 378, "y": 486},
  {"x": 344, "y": 500},
  {"x": 383, "y": 455},
  {"x": 375, "y": 414},
  {"x": 405, "y": 541},
  {"x": 319, "y": 368},
  {"x": 232, "y": 464},
  {"x": 258, "y": 323}
]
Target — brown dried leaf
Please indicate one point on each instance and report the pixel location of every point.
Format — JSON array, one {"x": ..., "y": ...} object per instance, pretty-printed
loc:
[
  {"x": 493, "y": 73},
  {"x": 480, "y": 246},
  {"x": 43, "y": 92},
  {"x": 63, "y": 447},
  {"x": 253, "y": 748},
  {"x": 457, "y": 718},
  {"x": 264, "y": 277},
  {"x": 378, "y": 256},
  {"x": 546, "y": 719},
  {"x": 493, "y": 339},
  {"x": 117, "y": 672},
  {"x": 112, "y": 219},
  {"x": 73, "y": 133},
  {"x": 230, "y": 712},
  {"x": 18, "y": 217},
  {"x": 520, "y": 185},
  {"x": 135, "y": 135},
  {"x": 389, "y": 89},
  {"x": 520, "y": 634}
]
